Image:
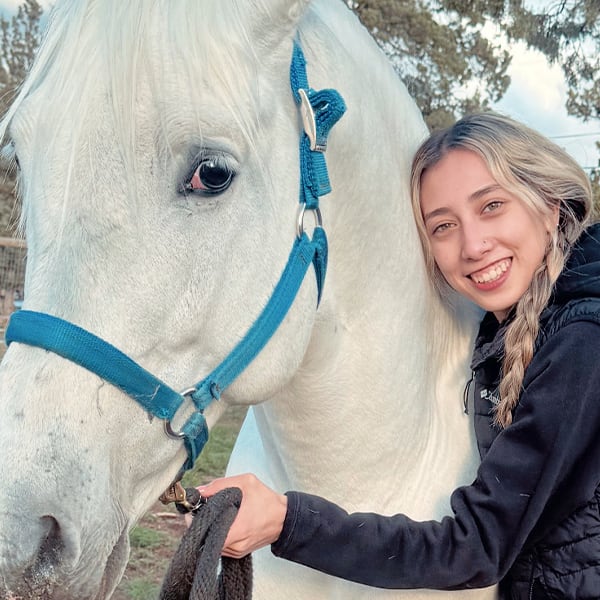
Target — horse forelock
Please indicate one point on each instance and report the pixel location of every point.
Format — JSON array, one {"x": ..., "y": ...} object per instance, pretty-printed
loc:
[{"x": 108, "y": 47}]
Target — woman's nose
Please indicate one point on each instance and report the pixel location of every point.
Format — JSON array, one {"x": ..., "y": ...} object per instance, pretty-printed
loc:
[{"x": 475, "y": 243}]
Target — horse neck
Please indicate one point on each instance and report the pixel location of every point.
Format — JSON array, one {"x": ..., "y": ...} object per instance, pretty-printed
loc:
[
  {"x": 365, "y": 395},
  {"x": 374, "y": 407},
  {"x": 366, "y": 399}
]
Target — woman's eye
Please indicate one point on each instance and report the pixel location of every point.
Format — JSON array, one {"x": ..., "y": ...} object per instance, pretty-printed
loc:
[
  {"x": 211, "y": 175},
  {"x": 441, "y": 228},
  {"x": 493, "y": 205}
]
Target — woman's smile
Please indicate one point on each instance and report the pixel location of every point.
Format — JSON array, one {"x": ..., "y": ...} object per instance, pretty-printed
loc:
[{"x": 493, "y": 274}]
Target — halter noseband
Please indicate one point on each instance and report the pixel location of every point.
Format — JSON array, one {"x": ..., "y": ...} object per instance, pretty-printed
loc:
[{"x": 320, "y": 111}]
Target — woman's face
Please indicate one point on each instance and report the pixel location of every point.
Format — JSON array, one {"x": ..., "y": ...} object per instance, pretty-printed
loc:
[{"x": 486, "y": 242}]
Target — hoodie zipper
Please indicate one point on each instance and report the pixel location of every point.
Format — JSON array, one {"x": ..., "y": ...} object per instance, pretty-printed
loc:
[{"x": 466, "y": 393}]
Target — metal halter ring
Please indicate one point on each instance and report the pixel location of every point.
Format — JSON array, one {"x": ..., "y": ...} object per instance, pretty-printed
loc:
[
  {"x": 301, "y": 212},
  {"x": 177, "y": 435}
]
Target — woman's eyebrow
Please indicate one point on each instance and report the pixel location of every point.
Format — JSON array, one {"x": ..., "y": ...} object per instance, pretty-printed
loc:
[
  {"x": 436, "y": 213},
  {"x": 493, "y": 187}
]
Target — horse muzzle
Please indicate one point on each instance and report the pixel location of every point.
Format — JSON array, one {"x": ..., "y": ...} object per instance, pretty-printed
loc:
[{"x": 41, "y": 558}]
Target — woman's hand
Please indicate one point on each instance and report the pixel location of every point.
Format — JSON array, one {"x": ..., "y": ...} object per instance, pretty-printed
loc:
[{"x": 260, "y": 519}]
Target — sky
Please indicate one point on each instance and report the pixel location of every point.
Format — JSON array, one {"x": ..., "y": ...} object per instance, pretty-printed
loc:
[
  {"x": 12, "y": 4},
  {"x": 536, "y": 96},
  {"x": 9, "y": 6}
]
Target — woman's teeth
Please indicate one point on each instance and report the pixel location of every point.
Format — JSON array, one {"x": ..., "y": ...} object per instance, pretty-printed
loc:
[{"x": 492, "y": 273}]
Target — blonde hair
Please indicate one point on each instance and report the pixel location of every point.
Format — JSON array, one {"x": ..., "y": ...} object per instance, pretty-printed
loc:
[{"x": 544, "y": 177}]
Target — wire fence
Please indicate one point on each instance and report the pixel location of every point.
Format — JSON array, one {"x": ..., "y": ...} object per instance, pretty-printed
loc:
[{"x": 13, "y": 254}]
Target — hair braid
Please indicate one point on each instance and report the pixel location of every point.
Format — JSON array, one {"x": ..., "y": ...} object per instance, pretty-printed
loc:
[{"x": 522, "y": 332}]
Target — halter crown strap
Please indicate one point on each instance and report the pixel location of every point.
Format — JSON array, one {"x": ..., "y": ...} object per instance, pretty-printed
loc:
[{"x": 320, "y": 111}]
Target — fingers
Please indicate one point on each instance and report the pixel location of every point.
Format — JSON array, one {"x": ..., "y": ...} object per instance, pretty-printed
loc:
[
  {"x": 260, "y": 518},
  {"x": 231, "y": 553},
  {"x": 218, "y": 485},
  {"x": 212, "y": 488}
]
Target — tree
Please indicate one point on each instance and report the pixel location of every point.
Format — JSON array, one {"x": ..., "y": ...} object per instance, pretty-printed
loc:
[
  {"x": 568, "y": 33},
  {"x": 19, "y": 39},
  {"x": 441, "y": 52}
]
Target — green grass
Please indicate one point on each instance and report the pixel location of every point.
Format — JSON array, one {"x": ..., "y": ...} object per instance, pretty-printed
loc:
[
  {"x": 141, "y": 589},
  {"x": 143, "y": 537}
]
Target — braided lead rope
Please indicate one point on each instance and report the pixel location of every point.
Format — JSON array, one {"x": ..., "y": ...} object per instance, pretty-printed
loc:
[{"x": 192, "y": 574}]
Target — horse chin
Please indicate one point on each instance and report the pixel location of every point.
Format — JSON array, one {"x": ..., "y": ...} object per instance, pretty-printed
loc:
[
  {"x": 112, "y": 574},
  {"x": 115, "y": 567}
]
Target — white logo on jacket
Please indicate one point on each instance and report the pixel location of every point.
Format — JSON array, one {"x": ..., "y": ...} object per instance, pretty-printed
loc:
[{"x": 490, "y": 396}]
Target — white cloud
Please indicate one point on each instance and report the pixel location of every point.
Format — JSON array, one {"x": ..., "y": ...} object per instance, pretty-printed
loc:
[
  {"x": 534, "y": 78},
  {"x": 537, "y": 97},
  {"x": 9, "y": 5}
]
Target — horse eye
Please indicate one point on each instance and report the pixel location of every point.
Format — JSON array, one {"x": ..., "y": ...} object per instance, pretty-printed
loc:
[{"x": 211, "y": 175}]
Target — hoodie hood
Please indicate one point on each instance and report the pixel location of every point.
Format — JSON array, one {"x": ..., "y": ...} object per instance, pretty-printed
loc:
[{"x": 581, "y": 275}]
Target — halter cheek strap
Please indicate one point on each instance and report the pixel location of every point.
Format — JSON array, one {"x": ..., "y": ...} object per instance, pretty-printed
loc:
[{"x": 320, "y": 111}]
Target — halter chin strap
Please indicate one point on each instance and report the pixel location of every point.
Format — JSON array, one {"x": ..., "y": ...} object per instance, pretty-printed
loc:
[{"x": 320, "y": 111}]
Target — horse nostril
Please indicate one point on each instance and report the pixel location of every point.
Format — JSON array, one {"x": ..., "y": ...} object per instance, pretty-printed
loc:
[
  {"x": 50, "y": 550},
  {"x": 39, "y": 579}
]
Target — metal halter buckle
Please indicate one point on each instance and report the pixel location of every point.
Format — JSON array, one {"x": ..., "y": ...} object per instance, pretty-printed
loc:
[
  {"x": 177, "y": 435},
  {"x": 309, "y": 122},
  {"x": 302, "y": 210}
]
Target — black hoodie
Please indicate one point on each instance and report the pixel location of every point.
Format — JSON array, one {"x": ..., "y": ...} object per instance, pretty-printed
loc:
[{"x": 531, "y": 518}]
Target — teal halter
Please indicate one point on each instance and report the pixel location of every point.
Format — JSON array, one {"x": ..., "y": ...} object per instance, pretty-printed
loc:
[{"x": 320, "y": 111}]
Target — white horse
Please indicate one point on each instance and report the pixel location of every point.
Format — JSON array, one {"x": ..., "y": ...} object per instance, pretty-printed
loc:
[{"x": 360, "y": 401}]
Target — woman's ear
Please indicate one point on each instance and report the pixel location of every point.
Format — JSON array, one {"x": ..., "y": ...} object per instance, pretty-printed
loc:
[{"x": 553, "y": 219}]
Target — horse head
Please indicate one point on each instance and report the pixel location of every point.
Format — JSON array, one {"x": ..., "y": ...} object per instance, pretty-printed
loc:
[{"x": 157, "y": 146}]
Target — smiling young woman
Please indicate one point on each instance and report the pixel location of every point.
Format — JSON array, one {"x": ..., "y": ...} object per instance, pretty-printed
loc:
[
  {"x": 537, "y": 196},
  {"x": 503, "y": 218},
  {"x": 486, "y": 242}
]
